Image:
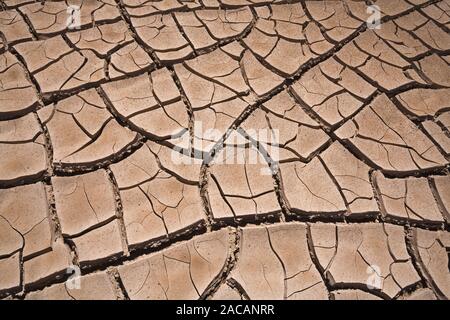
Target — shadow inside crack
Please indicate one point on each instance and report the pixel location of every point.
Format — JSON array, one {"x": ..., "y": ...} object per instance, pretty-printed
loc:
[{"x": 448, "y": 258}]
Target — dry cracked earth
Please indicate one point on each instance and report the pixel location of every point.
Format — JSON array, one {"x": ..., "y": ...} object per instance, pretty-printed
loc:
[{"x": 91, "y": 117}]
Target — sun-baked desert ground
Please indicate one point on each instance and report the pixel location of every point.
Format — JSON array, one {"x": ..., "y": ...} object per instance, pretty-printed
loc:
[{"x": 224, "y": 149}]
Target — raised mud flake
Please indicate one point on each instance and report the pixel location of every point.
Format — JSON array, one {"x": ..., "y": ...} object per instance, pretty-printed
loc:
[
  {"x": 164, "y": 87},
  {"x": 10, "y": 271},
  {"x": 424, "y": 102},
  {"x": 13, "y": 27},
  {"x": 12, "y": 240},
  {"x": 195, "y": 30},
  {"x": 83, "y": 201},
  {"x": 371, "y": 44},
  {"x": 287, "y": 18},
  {"x": 285, "y": 130},
  {"x": 48, "y": 18},
  {"x": 278, "y": 35},
  {"x": 160, "y": 196},
  {"x": 22, "y": 147},
  {"x": 335, "y": 18},
  {"x": 205, "y": 28},
  {"x": 217, "y": 92},
  {"x": 435, "y": 69},
  {"x": 224, "y": 24},
  {"x": 49, "y": 266},
  {"x": 96, "y": 286},
  {"x": 181, "y": 272},
  {"x": 432, "y": 248},
  {"x": 22, "y": 162},
  {"x": 309, "y": 189},
  {"x": 261, "y": 79},
  {"x": 139, "y": 167},
  {"x": 24, "y": 210},
  {"x": 129, "y": 60},
  {"x": 99, "y": 245},
  {"x": 401, "y": 40},
  {"x": 21, "y": 130},
  {"x": 434, "y": 36},
  {"x": 102, "y": 39},
  {"x": 352, "y": 178},
  {"x": 221, "y": 70},
  {"x": 83, "y": 131},
  {"x": 241, "y": 184},
  {"x": 408, "y": 199},
  {"x": 260, "y": 48},
  {"x": 389, "y": 77},
  {"x": 442, "y": 185},
  {"x": 347, "y": 79},
  {"x": 444, "y": 120},
  {"x": 39, "y": 54},
  {"x": 438, "y": 12},
  {"x": 314, "y": 88},
  {"x": 57, "y": 67},
  {"x": 284, "y": 48},
  {"x": 76, "y": 71},
  {"x": 392, "y": 8},
  {"x": 411, "y": 21},
  {"x": 379, "y": 63},
  {"x": 17, "y": 94},
  {"x": 351, "y": 56},
  {"x": 11, "y": 245},
  {"x": 150, "y": 104},
  {"x": 131, "y": 96},
  {"x": 317, "y": 42},
  {"x": 274, "y": 263},
  {"x": 385, "y": 137},
  {"x": 179, "y": 164},
  {"x": 332, "y": 91},
  {"x": 160, "y": 34},
  {"x": 438, "y": 135},
  {"x": 161, "y": 208},
  {"x": 131, "y": 174},
  {"x": 358, "y": 255}
]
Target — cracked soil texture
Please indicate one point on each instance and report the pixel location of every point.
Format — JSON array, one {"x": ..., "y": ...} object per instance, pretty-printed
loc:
[{"x": 90, "y": 118}]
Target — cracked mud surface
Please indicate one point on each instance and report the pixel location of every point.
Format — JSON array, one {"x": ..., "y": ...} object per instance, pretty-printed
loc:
[{"x": 90, "y": 119}]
